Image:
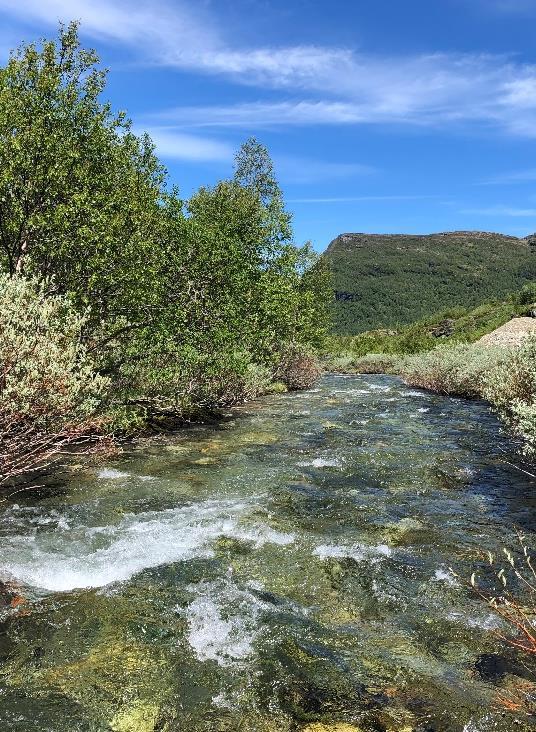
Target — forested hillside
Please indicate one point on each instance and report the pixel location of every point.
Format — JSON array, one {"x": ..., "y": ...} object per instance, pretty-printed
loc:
[{"x": 388, "y": 280}]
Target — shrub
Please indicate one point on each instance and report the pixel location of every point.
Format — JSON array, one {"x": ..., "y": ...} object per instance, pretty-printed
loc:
[
  {"x": 49, "y": 393},
  {"x": 527, "y": 294},
  {"x": 459, "y": 370},
  {"x": 511, "y": 388},
  {"x": 376, "y": 363},
  {"x": 297, "y": 368},
  {"x": 341, "y": 363},
  {"x": 184, "y": 383}
]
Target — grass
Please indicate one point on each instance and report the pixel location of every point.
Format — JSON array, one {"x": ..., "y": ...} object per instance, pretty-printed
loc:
[{"x": 450, "y": 326}]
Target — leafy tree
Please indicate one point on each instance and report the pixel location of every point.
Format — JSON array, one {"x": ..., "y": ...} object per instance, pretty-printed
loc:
[
  {"x": 79, "y": 193},
  {"x": 183, "y": 305},
  {"x": 295, "y": 285},
  {"x": 254, "y": 171}
]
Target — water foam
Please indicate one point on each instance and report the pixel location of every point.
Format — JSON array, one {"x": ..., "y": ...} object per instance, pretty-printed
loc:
[
  {"x": 112, "y": 474},
  {"x": 83, "y": 556},
  {"x": 358, "y": 552},
  {"x": 320, "y": 463},
  {"x": 223, "y": 622},
  {"x": 443, "y": 575}
]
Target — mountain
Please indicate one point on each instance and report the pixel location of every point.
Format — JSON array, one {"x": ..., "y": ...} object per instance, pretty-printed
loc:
[{"x": 384, "y": 280}]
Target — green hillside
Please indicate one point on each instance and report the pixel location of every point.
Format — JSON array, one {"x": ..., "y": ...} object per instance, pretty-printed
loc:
[{"x": 394, "y": 279}]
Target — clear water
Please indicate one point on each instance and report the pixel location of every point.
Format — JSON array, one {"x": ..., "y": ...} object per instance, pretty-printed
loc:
[{"x": 288, "y": 566}]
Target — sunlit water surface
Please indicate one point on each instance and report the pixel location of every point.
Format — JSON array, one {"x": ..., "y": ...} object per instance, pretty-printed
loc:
[{"x": 285, "y": 567}]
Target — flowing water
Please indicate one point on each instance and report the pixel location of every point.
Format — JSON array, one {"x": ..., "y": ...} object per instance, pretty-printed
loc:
[{"x": 287, "y": 567}]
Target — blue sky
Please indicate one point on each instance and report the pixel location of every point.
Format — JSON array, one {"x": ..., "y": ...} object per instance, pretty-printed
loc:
[{"x": 384, "y": 116}]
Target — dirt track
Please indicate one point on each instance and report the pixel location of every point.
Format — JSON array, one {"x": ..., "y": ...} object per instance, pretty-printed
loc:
[{"x": 512, "y": 333}]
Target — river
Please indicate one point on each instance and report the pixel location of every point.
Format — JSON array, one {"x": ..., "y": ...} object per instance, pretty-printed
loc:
[{"x": 286, "y": 567}]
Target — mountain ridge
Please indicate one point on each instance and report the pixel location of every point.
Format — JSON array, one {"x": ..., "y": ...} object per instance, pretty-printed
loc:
[{"x": 384, "y": 280}]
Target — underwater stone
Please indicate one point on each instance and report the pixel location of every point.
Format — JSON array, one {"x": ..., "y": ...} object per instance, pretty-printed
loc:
[
  {"x": 140, "y": 717},
  {"x": 338, "y": 727}
]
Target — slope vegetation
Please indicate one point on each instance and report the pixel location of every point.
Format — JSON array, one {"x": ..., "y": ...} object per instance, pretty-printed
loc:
[{"x": 394, "y": 279}]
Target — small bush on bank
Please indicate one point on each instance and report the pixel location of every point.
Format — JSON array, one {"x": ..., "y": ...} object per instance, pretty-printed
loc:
[
  {"x": 181, "y": 385},
  {"x": 297, "y": 368},
  {"x": 511, "y": 388},
  {"x": 376, "y": 363},
  {"x": 49, "y": 393},
  {"x": 506, "y": 377},
  {"x": 459, "y": 370}
]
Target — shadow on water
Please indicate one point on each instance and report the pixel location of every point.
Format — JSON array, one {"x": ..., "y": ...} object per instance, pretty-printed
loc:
[{"x": 284, "y": 568}]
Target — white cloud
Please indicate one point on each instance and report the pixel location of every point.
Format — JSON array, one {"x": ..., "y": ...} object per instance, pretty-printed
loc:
[
  {"x": 510, "y": 6},
  {"x": 151, "y": 27},
  {"x": 360, "y": 199},
  {"x": 437, "y": 90},
  {"x": 328, "y": 84},
  {"x": 502, "y": 211},
  {"x": 267, "y": 114},
  {"x": 292, "y": 169},
  {"x": 180, "y": 146},
  {"x": 515, "y": 176}
]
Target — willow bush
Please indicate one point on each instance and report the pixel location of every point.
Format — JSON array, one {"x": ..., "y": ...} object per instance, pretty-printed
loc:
[
  {"x": 511, "y": 388},
  {"x": 49, "y": 392},
  {"x": 460, "y": 370},
  {"x": 505, "y": 377}
]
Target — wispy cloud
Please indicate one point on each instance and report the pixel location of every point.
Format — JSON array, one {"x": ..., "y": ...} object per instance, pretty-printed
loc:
[
  {"x": 514, "y": 7},
  {"x": 502, "y": 211},
  {"x": 180, "y": 146},
  {"x": 292, "y": 169},
  {"x": 329, "y": 85},
  {"x": 512, "y": 177},
  {"x": 438, "y": 90},
  {"x": 154, "y": 28},
  {"x": 266, "y": 114},
  {"x": 360, "y": 199}
]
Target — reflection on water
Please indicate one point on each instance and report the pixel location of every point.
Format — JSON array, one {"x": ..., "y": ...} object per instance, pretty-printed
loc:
[{"x": 285, "y": 570}]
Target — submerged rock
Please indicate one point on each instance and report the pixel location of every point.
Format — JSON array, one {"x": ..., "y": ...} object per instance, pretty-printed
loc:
[
  {"x": 229, "y": 545},
  {"x": 491, "y": 667},
  {"x": 315, "y": 684},
  {"x": 408, "y": 531},
  {"x": 140, "y": 717},
  {"x": 337, "y": 727}
]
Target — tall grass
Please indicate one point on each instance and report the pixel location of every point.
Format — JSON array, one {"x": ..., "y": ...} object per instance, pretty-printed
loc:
[{"x": 507, "y": 582}]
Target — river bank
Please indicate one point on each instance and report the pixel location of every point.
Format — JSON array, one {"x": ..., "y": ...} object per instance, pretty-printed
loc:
[{"x": 286, "y": 568}]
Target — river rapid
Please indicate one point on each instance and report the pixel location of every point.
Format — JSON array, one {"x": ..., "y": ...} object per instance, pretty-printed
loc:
[{"x": 287, "y": 567}]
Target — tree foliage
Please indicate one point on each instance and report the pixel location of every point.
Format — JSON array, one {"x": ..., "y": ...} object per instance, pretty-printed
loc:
[
  {"x": 183, "y": 305},
  {"x": 79, "y": 192}
]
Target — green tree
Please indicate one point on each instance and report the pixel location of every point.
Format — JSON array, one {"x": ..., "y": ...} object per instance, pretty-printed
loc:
[
  {"x": 254, "y": 171},
  {"x": 79, "y": 192},
  {"x": 185, "y": 305},
  {"x": 294, "y": 286}
]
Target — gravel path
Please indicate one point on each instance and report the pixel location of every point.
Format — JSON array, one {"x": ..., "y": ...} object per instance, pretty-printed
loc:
[{"x": 512, "y": 333}]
